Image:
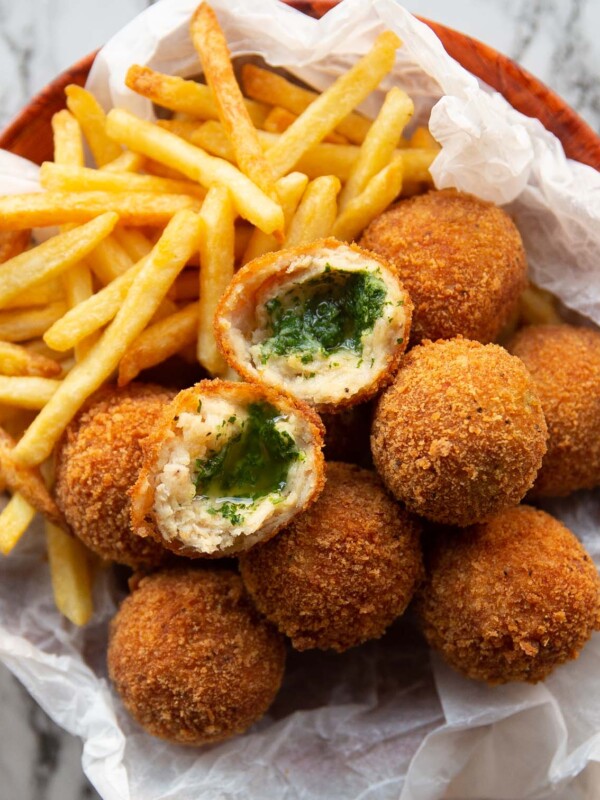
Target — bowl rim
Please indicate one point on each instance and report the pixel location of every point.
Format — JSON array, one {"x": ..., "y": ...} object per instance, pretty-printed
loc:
[{"x": 522, "y": 90}]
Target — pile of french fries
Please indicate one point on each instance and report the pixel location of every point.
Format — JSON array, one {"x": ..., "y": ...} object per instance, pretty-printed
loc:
[{"x": 149, "y": 238}]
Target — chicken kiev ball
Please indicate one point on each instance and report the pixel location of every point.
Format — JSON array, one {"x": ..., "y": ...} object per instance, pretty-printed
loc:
[
  {"x": 509, "y": 599},
  {"x": 327, "y": 322},
  {"x": 343, "y": 571},
  {"x": 564, "y": 362},
  {"x": 460, "y": 258},
  {"x": 97, "y": 462},
  {"x": 191, "y": 658},
  {"x": 460, "y": 434},
  {"x": 226, "y": 466}
]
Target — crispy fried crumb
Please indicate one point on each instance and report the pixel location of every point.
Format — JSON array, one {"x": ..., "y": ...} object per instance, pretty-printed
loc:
[
  {"x": 460, "y": 434},
  {"x": 564, "y": 362},
  {"x": 192, "y": 660},
  {"x": 460, "y": 258},
  {"x": 97, "y": 462},
  {"x": 343, "y": 571},
  {"x": 510, "y": 599}
]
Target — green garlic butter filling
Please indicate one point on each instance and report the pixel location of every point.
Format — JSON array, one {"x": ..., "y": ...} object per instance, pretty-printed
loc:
[
  {"x": 252, "y": 464},
  {"x": 325, "y": 315}
]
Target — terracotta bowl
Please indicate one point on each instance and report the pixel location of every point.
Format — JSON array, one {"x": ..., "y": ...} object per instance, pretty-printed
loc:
[{"x": 30, "y": 134}]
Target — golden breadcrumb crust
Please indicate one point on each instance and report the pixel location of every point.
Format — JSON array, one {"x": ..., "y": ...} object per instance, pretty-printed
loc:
[
  {"x": 97, "y": 462},
  {"x": 460, "y": 258},
  {"x": 143, "y": 517},
  {"x": 243, "y": 289},
  {"x": 510, "y": 599},
  {"x": 564, "y": 362},
  {"x": 12, "y": 243},
  {"x": 191, "y": 658},
  {"x": 460, "y": 434},
  {"x": 343, "y": 571}
]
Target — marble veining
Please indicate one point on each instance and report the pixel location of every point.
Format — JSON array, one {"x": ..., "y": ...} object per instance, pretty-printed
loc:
[{"x": 554, "y": 39}]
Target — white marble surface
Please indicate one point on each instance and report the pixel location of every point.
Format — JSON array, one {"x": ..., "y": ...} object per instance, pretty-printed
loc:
[{"x": 555, "y": 39}]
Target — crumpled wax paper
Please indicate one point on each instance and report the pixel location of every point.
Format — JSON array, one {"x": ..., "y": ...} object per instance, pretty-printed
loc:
[{"x": 384, "y": 720}]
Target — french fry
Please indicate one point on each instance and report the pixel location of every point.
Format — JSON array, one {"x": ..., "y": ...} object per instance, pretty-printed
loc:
[
  {"x": 179, "y": 240},
  {"x": 316, "y": 213},
  {"x": 16, "y": 360},
  {"x": 166, "y": 308},
  {"x": 109, "y": 260},
  {"x": 327, "y": 159},
  {"x": 267, "y": 86},
  {"x": 71, "y": 575},
  {"x": 329, "y": 108},
  {"x": 183, "y": 128},
  {"x": 21, "y": 324},
  {"x": 91, "y": 315},
  {"x": 211, "y": 137},
  {"x": 416, "y": 163},
  {"x": 538, "y": 307},
  {"x": 243, "y": 232},
  {"x": 47, "y": 292},
  {"x": 15, "y": 518},
  {"x": 27, "y": 481},
  {"x": 39, "y": 347},
  {"x": 52, "y": 257},
  {"x": 159, "y": 342},
  {"x": 186, "y": 287},
  {"x": 290, "y": 189},
  {"x": 68, "y": 144},
  {"x": 378, "y": 194},
  {"x": 178, "y": 94},
  {"x": 156, "y": 168},
  {"x": 92, "y": 119},
  {"x": 169, "y": 149},
  {"x": 7, "y": 413},
  {"x": 16, "y": 424},
  {"x": 79, "y": 287},
  {"x": 216, "y": 270},
  {"x": 12, "y": 243},
  {"x": 211, "y": 46},
  {"x": 378, "y": 147},
  {"x": 63, "y": 178},
  {"x": 133, "y": 242},
  {"x": 68, "y": 152},
  {"x": 322, "y": 159},
  {"x": 423, "y": 139},
  {"x": 27, "y": 391},
  {"x": 57, "y": 208},
  {"x": 279, "y": 120},
  {"x": 126, "y": 162}
]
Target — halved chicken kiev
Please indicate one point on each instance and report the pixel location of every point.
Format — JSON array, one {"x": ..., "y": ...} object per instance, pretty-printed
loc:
[
  {"x": 328, "y": 322},
  {"x": 228, "y": 465}
]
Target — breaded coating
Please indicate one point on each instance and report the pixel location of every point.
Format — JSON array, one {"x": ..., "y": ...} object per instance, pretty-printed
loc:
[
  {"x": 98, "y": 460},
  {"x": 227, "y": 465},
  {"x": 460, "y": 434},
  {"x": 564, "y": 362},
  {"x": 460, "y": 258},
  {"x": 191, "y": 658},
  {"x": 510, "y": 599},
  {"x": 343, "y": 571},
  {"x": 12, "y": 243}
]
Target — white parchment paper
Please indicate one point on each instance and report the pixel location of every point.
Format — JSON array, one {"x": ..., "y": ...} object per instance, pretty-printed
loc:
[{"x": 380, "y": 721}]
